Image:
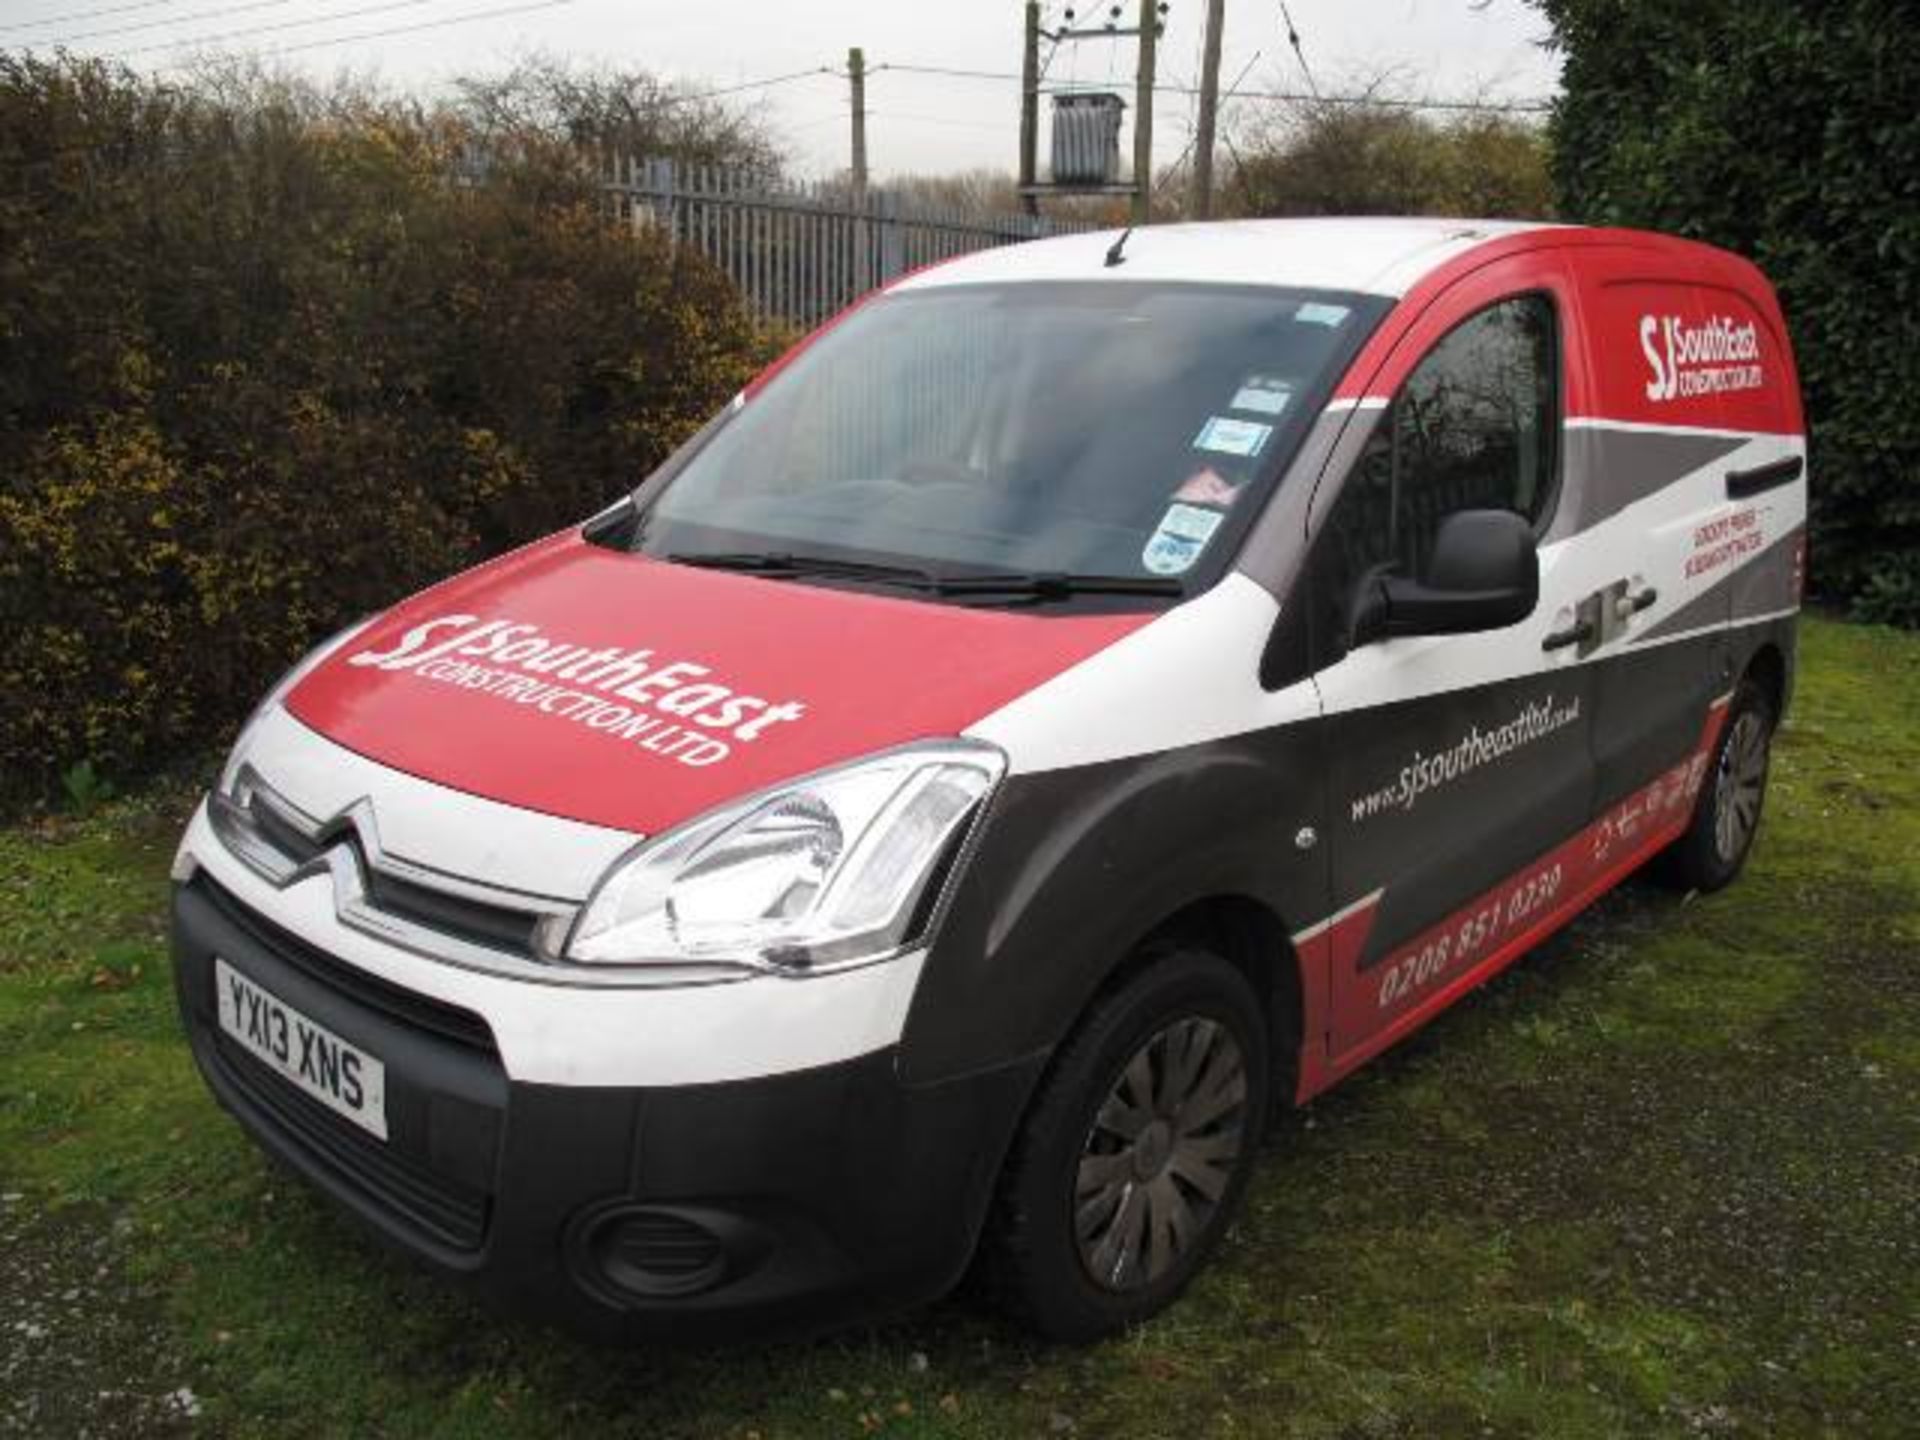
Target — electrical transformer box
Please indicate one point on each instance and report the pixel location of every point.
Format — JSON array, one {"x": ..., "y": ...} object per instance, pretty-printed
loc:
[{"x": 1086, "y": 138}]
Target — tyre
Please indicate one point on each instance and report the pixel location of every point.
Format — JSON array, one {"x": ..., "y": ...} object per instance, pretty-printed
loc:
[
  {"x": 1726, "y": 817},
  {"x": 1136, "y": 1149}
]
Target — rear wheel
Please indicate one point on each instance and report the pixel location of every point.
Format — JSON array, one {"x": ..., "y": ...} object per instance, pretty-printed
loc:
[
  {"x": 1137, "y": 1148},
  {"x": 1726, "y": 817}
]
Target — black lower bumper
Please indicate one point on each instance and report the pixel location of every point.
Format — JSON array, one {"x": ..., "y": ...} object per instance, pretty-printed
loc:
[{"x": 699, "y": 1212}]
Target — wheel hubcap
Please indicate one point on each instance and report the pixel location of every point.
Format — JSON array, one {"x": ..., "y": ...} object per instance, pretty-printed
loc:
[
  {"x": 1152, "y": 1150},
  {"x": 1160, "y": 1154},
  {"x": 1738, "y": 785}
]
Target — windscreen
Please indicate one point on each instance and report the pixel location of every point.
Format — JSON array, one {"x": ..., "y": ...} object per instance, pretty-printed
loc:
[{"x": 1076, "y": 430}]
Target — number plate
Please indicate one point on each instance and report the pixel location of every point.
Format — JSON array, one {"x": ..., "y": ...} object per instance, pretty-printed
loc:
[{"x": 342, "y": 1077}]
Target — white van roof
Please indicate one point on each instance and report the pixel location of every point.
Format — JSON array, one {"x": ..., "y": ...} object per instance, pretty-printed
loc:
[{"x": 1371, "y": 255}]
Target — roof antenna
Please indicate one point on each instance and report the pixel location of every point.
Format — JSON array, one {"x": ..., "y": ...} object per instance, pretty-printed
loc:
[{"x": 1114, "y": 257}]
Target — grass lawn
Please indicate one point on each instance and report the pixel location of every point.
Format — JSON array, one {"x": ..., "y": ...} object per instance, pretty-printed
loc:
[{"x": 1662, "y": 1178}]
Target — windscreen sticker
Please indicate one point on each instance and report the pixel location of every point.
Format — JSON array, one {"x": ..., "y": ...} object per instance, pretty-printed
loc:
[
  {"x": 1263, "y": 395},
  {"x": 1207, "y": 486},
  {"x": 1225, "y": 436},
  {"x": 1316, "y": 313},
  {"x": 1183, "y": 534}
]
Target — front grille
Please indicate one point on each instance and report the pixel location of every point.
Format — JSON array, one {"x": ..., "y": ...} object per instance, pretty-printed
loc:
[
  {"x": 280, "y": 842},
  {"x": 471, "y": 920},
  {"x": 419, "y": 1012},
  {"x": 283, "y": 836},
  {"x": 453, "y": 1214}
]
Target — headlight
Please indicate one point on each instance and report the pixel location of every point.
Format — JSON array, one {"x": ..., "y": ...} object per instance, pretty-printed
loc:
[
  {"x": 304, "y": 666},
  {"x": 823, "y": 873}
]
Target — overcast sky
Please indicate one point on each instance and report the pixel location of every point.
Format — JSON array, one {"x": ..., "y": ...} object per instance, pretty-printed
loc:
[{"x": 1430, "y": 49}]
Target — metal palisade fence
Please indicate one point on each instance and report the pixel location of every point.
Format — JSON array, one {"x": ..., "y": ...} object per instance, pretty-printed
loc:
[{"x": 802, "y": 251}]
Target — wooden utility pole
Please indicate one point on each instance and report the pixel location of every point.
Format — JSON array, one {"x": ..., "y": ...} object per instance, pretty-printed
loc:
[
  {"x": 857, "y": 77},
  {"x": 1030, "y": 111},
  {"x": 862, "y": 231},
  {"x": 1143, "y": 113},
  {"x": 1200, "y": 196}
]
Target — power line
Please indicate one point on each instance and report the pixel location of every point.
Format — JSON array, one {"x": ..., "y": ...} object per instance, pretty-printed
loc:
[
  {"x": 663, "y": 102},
  {"x": 1232, "y": 91},
  {"x": 1296, "y": 97},
  {"x": 382, "y": 33},
  {"x": 1053, "y": 47},
  {"x": 169, "y": 20},
  {"x": 746, "y": 85},
  {"x": 466, "y": 19},
  {"x": 382, "y": 8},
  {"x": 389, "y": 5},
  {"x": 73, "y": 16},
  {"x": 1199, "y": 68},
  {"x": 1293, "y": 39}
]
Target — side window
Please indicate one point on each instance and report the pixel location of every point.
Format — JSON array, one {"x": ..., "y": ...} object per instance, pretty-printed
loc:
[{"x": 1474, "y": 427}]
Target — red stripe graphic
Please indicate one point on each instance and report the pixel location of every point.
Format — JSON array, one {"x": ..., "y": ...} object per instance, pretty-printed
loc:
[{"x": 1369, "y": 1010}]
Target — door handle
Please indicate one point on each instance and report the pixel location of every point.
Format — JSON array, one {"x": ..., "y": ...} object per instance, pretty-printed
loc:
[
  {"x": 1577, "y": 633},
  {"x": 1601, "y": 617},
  {"x": 1745, "y": 484}
]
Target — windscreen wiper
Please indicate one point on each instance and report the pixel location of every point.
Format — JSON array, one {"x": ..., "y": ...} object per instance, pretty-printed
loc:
[
  {"x": 1056, "y": 586},
  {"x": 776, "y": 565},
  {"x": 1013, "y": 585}
]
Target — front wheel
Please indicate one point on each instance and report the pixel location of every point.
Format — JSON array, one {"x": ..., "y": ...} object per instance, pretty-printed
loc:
[
  {"x": 1137, "y": 1147},
  {"x": 1726, "y": 817}
]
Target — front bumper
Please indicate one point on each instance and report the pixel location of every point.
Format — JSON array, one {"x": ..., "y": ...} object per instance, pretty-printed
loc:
[{"x": 711, "y": 1210}]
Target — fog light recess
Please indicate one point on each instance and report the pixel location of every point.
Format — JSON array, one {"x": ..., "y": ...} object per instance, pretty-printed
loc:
[{"x": 656, "y": 1253}]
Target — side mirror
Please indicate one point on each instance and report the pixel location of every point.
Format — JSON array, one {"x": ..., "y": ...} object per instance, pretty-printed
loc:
[{"x": 1484, "y": 575}]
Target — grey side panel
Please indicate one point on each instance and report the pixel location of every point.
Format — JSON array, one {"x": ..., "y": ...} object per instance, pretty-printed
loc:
[
  {"x": 1074, "y": 867},
  {"x": 1437, "y": 799},
  {"x": 1608, "y": 470},
  {"x": 1764, "y": 585},
  {"x": 1602, "y": 473},
  {"x": 1650, "y": 709},
  {"x": 1770, "y": 582},
  {"x": 1709, "y": 607}
]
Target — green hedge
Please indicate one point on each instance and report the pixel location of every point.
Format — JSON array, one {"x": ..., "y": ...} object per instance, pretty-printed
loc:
[
  {"x": 1788, "y": 130},
  {"x": 1371, "y": 160},
  {"x": 264, "y": 369}
]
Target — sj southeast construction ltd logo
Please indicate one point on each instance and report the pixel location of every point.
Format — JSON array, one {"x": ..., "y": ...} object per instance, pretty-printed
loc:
[
  {"x": 1711, "y": 358},
  {"x": 672, "y": 708}
]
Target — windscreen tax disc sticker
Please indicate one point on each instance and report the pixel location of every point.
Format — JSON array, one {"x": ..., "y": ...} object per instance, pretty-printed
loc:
[
  {"x": 1183, "y": 534},
  {"x": 1316, "y": 313},
  {"x": 1225, "y": 436},
  {"x": 1263, "y": 395}
]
